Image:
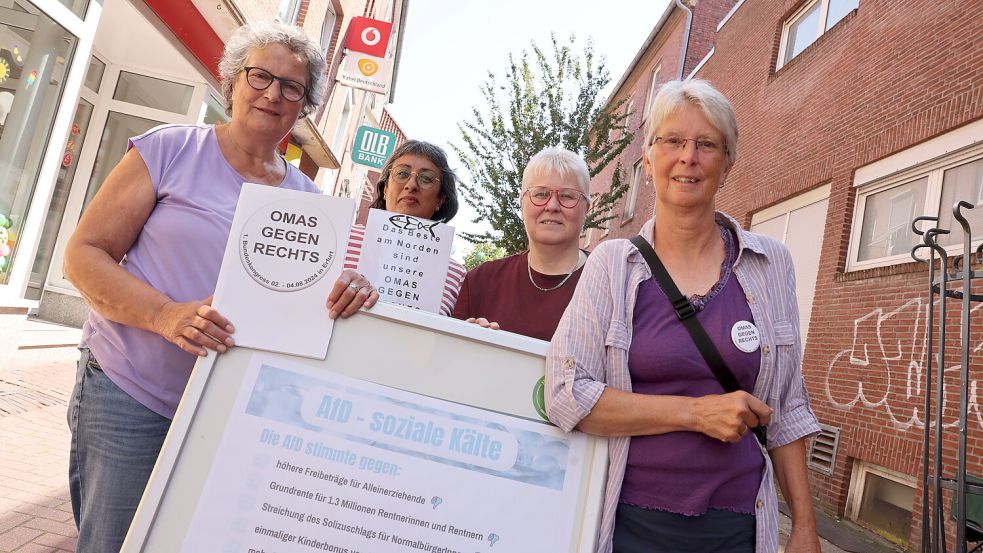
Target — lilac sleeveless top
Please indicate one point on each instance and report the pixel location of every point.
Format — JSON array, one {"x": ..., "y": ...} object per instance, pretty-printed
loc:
[
  {"x": 179, "y": 252},
  {"x": 688, "y": 472}
]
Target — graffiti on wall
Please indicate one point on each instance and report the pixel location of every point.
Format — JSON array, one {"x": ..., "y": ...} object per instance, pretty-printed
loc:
[{"x": 884, "y": 369}]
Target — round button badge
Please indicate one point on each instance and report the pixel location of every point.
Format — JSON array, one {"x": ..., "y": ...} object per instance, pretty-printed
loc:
[{"x": 745, "y": 336}]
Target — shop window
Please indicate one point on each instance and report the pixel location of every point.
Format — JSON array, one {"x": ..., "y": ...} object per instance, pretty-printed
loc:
[
  {"x": 59, "y": 199},
  {"x": 882, "y": 232},
  {"x": 112, "y": 146},
  {"x": 93, "y": 75},
  {"x": 631, "y": 197},
  {"x": 809, "y": 23},
  {"x": 882, "y": 500},
  {"x": 34, "y": 51},
  {"x": 213, "y": 111},
  {"x": 151, "y": 92}
]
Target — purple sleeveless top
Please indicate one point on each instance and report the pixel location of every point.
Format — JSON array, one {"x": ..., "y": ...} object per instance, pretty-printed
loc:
[
  {"x": 179, "y": 252},
  {"x": 688, "y": 472}
]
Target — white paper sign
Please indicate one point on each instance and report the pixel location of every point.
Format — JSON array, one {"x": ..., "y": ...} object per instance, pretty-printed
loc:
[
  {"x": 284, "y": 254},
  {"x": 406, "y": 258},
  {"x": 311, "y": 460}
]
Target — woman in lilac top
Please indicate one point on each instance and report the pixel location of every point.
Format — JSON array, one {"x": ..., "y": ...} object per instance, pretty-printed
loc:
[
  {"x": 685, "y": 472},
  {"x": 146, "y": 256}
]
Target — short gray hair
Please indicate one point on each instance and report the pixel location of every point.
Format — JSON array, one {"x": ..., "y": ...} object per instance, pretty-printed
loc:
[
  {"x": 259, "y": 34},
  {"x": 696, "y": 92},
  {"x": 561, "y": 162}
]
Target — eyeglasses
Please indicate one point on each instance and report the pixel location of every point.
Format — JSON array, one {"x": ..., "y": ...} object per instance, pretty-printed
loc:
[
  {"x": 540, "y": 196},
  {"x": 675, "y": 144},
  {"x": 261, "y": 79},
  {"x": 425, "y": 178}
]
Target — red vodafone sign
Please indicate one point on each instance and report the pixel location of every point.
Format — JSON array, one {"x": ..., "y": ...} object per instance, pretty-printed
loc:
[{"x": 369, "y": 36}]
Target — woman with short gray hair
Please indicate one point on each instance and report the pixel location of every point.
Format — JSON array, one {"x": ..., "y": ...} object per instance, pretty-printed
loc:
[
  {"x": 526, "y": 293},
  {"x": 146, "y": 256},
  {"x": 682, "y": 346}
]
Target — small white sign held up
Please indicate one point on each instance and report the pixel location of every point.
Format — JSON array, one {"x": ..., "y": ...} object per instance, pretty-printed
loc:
[
  {"x": 284, "y": 255},
  {"x": 406, "y": 258}
]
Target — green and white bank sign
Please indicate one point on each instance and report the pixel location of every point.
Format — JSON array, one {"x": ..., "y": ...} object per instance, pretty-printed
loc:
[{"x": 372, "y": 146}]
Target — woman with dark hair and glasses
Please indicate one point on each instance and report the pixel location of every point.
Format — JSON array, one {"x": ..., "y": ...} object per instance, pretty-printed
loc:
[
  {"x": 146, "y": 256},
  {"x": 526, "y": 293},
  {"x": 416, "y": 181}
]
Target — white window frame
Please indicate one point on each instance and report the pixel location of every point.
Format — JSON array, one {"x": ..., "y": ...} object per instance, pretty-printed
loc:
[
  {"x": 652, "y": 89},
  {"x": 858, "y": 481},
  {"x": 935, "y": 171},
  {"x": 338, "y": 148},
  {"x": 327, "y": 29},
  {"x": 288, "y": 11},
  {"x": 631, "y": 197},
  {"x": 823, "y": 13}
]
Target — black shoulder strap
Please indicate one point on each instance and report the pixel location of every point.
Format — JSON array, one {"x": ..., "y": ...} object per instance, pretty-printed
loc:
[{"x": 686, "y": 313}]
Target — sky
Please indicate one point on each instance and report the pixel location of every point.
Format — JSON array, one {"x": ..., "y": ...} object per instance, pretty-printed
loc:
[{"x": 449, "y": 47}]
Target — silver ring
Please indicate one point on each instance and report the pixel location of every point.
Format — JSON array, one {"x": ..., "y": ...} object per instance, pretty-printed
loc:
[
  {"x": 354, "y": 286},
  {"x": 743, "y": 430}
]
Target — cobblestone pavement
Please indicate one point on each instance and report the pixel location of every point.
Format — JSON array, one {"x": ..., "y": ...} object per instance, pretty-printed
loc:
[{"x": 35, "y": 511}]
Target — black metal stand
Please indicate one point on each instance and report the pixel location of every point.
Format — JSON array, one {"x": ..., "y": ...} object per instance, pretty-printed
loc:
[{"x": 963, "y": 271}]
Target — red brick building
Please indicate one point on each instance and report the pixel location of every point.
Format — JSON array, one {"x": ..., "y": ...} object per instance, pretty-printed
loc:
[{"x": 854, "y": 117}]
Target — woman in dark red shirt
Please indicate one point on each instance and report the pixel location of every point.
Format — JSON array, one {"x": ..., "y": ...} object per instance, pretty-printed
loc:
[{"x": 526, "y": 293}]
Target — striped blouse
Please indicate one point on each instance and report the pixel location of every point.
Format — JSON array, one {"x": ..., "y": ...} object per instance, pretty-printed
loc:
[
  {"x": 452, "y": 284},
  {"x": 590, "y": 352}
]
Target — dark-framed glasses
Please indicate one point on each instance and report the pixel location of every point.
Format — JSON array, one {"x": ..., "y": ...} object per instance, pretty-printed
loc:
[
  {"x": 540, "y": 196},
  {"x": 677, "y": 143},
  {"x": 425, "y": 178},
  {"x": 261, "y": 79}
]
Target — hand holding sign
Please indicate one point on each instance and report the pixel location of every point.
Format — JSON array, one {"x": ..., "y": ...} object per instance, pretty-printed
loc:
[
  {"x": 351, "y": 291},
  {"x": 194, "y": 326}
]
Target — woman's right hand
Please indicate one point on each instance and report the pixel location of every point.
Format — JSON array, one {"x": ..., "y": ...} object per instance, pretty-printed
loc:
[
  {"x": 194, "y": 326},
  {"x": 728, "y": 417}
]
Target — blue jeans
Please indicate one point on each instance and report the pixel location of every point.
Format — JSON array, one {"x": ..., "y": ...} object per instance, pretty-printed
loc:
[{"x": 115, "y": 443}]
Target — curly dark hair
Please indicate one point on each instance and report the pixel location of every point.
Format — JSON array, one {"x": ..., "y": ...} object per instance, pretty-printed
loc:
[{"x": 448, "y": 179}]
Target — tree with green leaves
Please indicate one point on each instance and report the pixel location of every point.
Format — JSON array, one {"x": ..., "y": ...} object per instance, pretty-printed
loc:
[
  {"x": 546, "y": 99},
  {"x": 481, "y": 252}
]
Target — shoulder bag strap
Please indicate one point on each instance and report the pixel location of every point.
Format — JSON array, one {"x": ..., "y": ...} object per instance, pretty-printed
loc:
[{"x": 687, "y": 314}]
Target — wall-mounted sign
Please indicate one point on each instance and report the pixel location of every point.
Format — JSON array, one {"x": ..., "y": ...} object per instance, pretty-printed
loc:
[
  {"x": 366, "y": 72},
  {"x": 372, "y": 146},
  {"x": 369, "y": 36}
]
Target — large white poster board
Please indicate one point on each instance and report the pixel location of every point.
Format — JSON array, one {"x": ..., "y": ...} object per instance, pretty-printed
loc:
[
  {"x": 282, "y": 258},
  {"x": 416, "y": 433}
]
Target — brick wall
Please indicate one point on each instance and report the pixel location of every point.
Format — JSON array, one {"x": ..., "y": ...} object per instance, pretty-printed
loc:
[{"x": 888, "y": 76}]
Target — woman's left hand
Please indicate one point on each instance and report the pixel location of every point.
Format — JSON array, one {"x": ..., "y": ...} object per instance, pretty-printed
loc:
[
  {"x": 351, "y": 291},
  {"x": 803, "y": 540}
]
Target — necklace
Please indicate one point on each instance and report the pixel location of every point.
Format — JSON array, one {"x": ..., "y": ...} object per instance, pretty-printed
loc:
[{"x": 562, "y": 282}]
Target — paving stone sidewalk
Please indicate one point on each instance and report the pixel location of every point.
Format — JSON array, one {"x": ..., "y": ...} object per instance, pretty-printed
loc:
[{"x": 35, "y": 511}]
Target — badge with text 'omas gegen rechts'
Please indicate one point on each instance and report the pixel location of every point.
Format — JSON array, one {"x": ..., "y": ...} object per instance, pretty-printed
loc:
[
  {"x": 406, "y": 258},
  {"x": 372, "y": 146},
  {"x": 285, "y": 251}
]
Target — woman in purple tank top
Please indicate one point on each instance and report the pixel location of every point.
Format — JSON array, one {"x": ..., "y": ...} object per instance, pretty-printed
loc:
[
  {"x": 146, "y": 255},
  {"x": 687, "y": 474}
]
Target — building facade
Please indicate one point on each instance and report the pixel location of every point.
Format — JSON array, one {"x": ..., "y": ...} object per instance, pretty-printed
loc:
[
  {"x": 79, "y": 77},
  {"x": 856, "y": 116}
]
